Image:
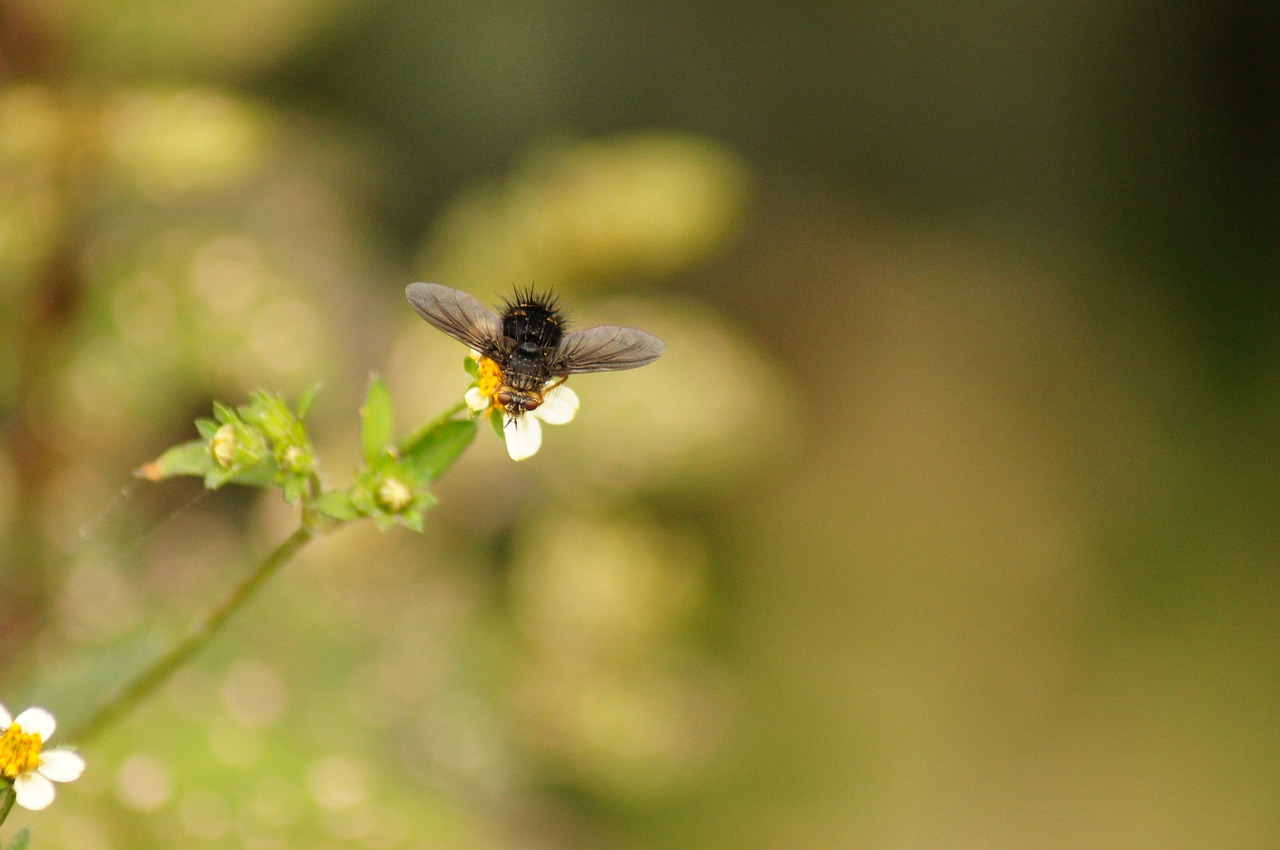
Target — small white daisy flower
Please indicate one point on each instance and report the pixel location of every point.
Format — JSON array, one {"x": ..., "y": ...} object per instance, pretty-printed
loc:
[
  {"x": 23, "y": 761},
  {"x": 477, "y": 400},
  {"x": 523, "y": 433}
]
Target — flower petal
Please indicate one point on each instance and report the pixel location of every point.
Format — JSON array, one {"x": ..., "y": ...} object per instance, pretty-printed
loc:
[
  {"x": 33, "y": 791},
  {"x": 37, "y": 721},
  {"x": 61, "y": 765},
  {"x": 6, "y": 719},
  {"x": 558, "y": 406},
  {"x": 476, "y": 400},
  {"x": 523, "y": 436}
]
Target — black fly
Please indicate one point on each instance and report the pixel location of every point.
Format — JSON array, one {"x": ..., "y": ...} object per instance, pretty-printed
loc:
[{"x": 528, "y": 342}]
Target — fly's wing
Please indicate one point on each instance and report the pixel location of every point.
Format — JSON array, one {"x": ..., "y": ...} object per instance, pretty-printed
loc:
[
  {"x": 457, "y": 314},
  {"x": 607, "y": 348}
]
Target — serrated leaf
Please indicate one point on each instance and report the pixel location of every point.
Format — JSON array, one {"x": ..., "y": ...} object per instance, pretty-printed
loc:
[
  {"x": 436, "y": 450},
  {"x": 336, "y": 504},
  {"x": 376, "y": 422},
  {"x": 186, "y": 459},
  {"x": 21, "y": 840}
]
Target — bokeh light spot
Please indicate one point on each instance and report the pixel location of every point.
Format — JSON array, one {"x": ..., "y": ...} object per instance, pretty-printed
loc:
[
  {"x": 144, "y": 783},
  {"x": 204, "y": 814},
  {"x": 336, "y": 782},
  {"x": 253, "y": 693}
]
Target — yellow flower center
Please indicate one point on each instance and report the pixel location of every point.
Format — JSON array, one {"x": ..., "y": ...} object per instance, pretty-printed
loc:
[
  {"x": 395, "y": 494},
  {"x": 292, "y": 460},
  {"x": 19, "y": 752},
  {"x": 223, "y": 445},
  {"x": 490, "y": 377}
]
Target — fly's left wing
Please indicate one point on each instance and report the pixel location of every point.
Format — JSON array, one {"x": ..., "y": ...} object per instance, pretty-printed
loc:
[
  {"x": 458, "y": 314},
  {"x": 607, "y": 348}
]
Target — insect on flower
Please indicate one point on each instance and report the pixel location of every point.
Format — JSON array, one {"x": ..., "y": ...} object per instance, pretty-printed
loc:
[{"x": 528, "y": 343}]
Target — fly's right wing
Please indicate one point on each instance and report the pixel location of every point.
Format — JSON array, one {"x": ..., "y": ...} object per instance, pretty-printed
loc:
[
  {"x": 458, "y": 314},
  {"x": 607, "y": 348}
]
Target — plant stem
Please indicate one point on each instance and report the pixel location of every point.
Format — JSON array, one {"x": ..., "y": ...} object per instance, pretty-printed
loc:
[{"x": 152, "y": 677}]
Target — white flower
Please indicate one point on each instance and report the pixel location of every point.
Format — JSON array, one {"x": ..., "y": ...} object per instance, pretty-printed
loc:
[
  {"x": 25, "y": 763},
  {"x": 524, "y": 433},
  {"x": 477, "y": 400}
]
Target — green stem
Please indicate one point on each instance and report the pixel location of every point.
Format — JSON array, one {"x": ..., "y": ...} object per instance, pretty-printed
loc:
[
  {"x": 406, "y": 445},
  {"x": 151, "y": 678},
  {"x": 7, "y": 796}
]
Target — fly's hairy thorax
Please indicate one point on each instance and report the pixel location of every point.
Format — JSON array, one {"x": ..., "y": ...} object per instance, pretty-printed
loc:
[{"x": 531, "y": 331}]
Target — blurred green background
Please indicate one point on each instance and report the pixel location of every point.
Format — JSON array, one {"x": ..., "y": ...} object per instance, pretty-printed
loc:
[{"x": 948, "y": 520}]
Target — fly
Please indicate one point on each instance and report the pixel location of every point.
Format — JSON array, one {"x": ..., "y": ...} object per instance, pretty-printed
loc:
[{"x": 528, "y": 341}]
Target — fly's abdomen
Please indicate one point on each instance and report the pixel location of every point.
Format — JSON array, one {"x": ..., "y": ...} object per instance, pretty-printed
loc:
[{"x": 527, "y": 370}]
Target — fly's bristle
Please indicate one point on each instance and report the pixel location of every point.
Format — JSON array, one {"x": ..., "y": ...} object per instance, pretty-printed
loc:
[{"x": 529, "y": 300}]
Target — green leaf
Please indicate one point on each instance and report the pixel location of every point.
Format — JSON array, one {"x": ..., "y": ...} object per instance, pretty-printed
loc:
[
  {"x": 413, "y": 520},
  {"x": 263, "y": 475},
  {"x": 304, "y": 403},
  {"x": 437, "y": 449},
  {"x": 224, "y": 413},
  {"x": 496, "y": 421},
  {"x": 294, "y": 487},
  {"x": 186, "y": 459},
  {"x": 376, "y": 421},
  {"x": 21, "y": 840},
  {"x": 258, "y": 476},
  {"x": 336, "y": 504},
  {"x": 472, "y": 367}
]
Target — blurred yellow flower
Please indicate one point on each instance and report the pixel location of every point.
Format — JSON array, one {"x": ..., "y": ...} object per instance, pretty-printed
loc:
[{"x": 573, "y": 216}]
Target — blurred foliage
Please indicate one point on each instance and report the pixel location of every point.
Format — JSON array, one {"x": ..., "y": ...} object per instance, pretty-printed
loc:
[
  {"x": 163, "y": 241},
  {"x": 947, "y": 519},
  {"x": 581, "y": 214}
]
